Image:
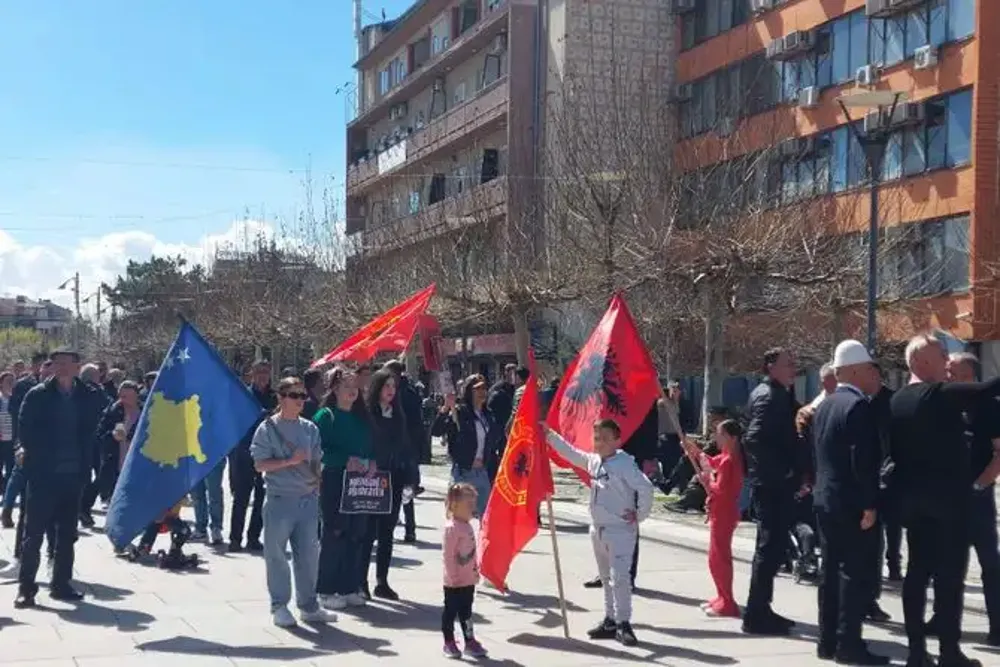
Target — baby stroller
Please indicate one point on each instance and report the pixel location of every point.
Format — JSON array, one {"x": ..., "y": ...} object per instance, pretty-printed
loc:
[{"x": 805, "y": 553}]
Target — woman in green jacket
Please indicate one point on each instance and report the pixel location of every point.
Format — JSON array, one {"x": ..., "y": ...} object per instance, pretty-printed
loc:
[{"x": 345, "y": 435}]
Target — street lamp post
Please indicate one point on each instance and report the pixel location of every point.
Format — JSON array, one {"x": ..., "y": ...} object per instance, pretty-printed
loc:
[{"x": 873, "y": 143}]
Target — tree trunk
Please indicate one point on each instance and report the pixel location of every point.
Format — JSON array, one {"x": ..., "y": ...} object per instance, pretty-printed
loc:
[
  {"x": 522, "y": 336},
  {"x": 714, "y": 367}
]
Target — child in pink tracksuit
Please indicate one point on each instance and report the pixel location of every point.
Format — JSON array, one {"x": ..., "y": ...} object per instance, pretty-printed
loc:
[{"x": 461, "y": 571}]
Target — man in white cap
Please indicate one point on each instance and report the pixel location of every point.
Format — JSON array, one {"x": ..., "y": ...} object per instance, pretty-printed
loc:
[{"x": 848, "y": 460}]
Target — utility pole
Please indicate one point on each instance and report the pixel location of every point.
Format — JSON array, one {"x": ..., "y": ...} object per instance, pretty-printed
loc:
[{"x": 75, "y": 280}]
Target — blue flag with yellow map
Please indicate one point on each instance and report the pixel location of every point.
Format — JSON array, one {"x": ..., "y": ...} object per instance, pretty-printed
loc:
[{"x": 195, "y": 413}]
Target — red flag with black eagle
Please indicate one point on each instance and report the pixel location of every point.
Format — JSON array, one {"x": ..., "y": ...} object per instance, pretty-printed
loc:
[
  {"x": 612, "y": 377},
  {"x": 523, "y": 480},
  {"x": 391, "y": 331}
]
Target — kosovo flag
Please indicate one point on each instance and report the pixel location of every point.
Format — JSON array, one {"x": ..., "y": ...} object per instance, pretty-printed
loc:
[{"x": 196, "y": 412}]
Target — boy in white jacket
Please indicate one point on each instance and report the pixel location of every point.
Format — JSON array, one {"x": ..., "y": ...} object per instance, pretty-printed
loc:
[{"x": 620, "y": 497}]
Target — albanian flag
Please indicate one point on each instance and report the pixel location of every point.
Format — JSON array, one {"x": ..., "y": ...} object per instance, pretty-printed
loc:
[
  {"x": 391, "y": 331},
  {"x": 612, "y": 377},
  {"x": 522, "y": 483}
]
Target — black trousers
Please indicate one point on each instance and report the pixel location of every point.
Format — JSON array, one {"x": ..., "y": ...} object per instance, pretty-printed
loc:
[
  {"x": 668, "y": 453},
  {"x": 457, "y": 606},
  {"x": 846, "y": 580},
  {"x": 107, "y": 476},
  {"x": 50, "y": 533},
  {"x": 983, "y": 533},
  {"x": 382, "y": 529},
  {"x": 53, "y": 502},
  {"x": 774, "y": 507},
  {"x": 938, "y": 549},
  {"x": 244, "y": 481},
  {"x": 92, "y": 488},
  {"x": 343, "y": 561}
]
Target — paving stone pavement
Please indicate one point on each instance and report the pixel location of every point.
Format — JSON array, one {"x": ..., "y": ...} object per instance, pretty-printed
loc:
[{"x": 136, "y": 614}]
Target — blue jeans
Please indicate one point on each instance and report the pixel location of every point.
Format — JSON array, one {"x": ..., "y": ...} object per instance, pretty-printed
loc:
[
  {"x": 15, "y": 488},
  {"x": 480, "y": 481},
  {"x": 207, "y": 498},
  {"x": 294, "y": 520}
]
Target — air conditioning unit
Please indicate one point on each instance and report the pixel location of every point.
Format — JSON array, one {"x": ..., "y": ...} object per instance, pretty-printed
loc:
[
  {"x": 925, "y": 57},
  {"x": 880, "y": 9},
  {"x": 684, "y": 6},
  {"x": 800, "y": 41},
  {"x": 906, "y": 114},
  {"x": 499, "y": 44},
  {"x": 775, "y": 48},
  {"x": 809, "y": 97},
  {"x": 684, "y": 92},
  {"x": 760, "y": 6},
  {"x": 866, "y": 76}
]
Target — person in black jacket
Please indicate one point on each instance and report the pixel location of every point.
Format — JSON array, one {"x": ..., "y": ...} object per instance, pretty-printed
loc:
[
  {"x": 887, "y": 522},
  {"x": 393, "y": 453},
  {"x": 244, "y": 479},
  {"x": 771, "y": 445},
  {"x": 641, "y": 446},
  {"x": 928, "y": 446},
  {"x": 848, "y": 461},
  {"x": 312, "y": 380},
  {"x": 500, "y": 398},
  {"x": 474, "y": 437},
  {"x": 99, "y": 401},
  {"x": 15, "y": 483},
  {"x": 56, "y": 436},
  {"x": 410, "y": 403}
]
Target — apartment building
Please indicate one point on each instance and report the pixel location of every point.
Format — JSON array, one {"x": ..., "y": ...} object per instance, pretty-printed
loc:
[
  {"x": 769, "y": 73},
  {"x": 429, "y": 148},
  {"x": 452, "y": 94}
]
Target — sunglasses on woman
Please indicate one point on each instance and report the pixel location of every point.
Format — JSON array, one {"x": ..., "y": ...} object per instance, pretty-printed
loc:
[{"x": 296, "y": 395}]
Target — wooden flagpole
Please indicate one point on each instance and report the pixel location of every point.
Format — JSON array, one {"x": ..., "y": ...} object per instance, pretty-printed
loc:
[{"x": 559, "y": 578}]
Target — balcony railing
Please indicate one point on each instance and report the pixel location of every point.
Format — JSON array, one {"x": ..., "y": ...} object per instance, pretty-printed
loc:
[
  {"x": 465, "y": 46},
  {"x": 477, "y": 205},
  {"x": 474, "y": 115}
]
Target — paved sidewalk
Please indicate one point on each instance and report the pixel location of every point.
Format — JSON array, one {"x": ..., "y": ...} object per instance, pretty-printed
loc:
[{"x": 136, "y": 615}]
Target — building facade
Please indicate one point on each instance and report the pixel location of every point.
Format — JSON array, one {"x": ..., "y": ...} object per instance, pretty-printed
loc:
[
  {"x": 760, "y": 73},
  {"x": 45, "y": 317}
]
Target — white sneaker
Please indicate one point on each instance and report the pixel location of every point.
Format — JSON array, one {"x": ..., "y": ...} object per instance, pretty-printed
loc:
[
  {"x": 335, "y": 601},
  {"x": 355, "y": 600},
  {"x": 12, "y": 571},
  {"x": 283, "y": 618},
  {"x": 320, "y": 615}
]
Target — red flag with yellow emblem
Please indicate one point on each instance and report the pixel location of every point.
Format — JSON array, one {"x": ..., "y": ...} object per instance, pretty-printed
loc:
[
  {"x": 523, "y": 481},
  {"x": 391, "y": 331}
]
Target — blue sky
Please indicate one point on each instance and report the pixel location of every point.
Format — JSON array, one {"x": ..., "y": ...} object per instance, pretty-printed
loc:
[{"x": 130, "y": 127}]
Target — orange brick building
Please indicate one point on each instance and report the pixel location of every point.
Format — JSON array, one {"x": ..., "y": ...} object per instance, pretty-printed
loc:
[{"x": 762, "y": 71}]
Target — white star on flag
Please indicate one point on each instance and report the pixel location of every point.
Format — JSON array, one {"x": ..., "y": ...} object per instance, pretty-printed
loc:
[{"x": 183, "y": 355}]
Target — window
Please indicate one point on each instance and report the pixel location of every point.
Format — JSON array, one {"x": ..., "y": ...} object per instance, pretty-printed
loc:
[
  {"x": 961, "y": 19},
  {"x": 840, "y": 139},
  {"x": 959, "y": 124},
  {"x": 711, "y": 18},
  {"x": 383, "y": 82},
  {"x": 925, "y": 258},
  {"x": 414, "y": 201},
  {"x": 459, "y": 95}
]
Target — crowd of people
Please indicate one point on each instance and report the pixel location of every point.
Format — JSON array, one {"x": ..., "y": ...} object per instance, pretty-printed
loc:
[{"x": 832, "y": 486}]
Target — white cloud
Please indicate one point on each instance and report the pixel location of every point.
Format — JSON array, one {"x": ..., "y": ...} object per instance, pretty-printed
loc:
[{"x": 37, "y": 271}]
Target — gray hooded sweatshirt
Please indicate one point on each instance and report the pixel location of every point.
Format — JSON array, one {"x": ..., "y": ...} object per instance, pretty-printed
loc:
[{"x": 617, "y": 485}]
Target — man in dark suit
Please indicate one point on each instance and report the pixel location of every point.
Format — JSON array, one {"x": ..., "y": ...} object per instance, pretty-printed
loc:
[
  {"x": 771, "y": 448},
  {"x": 848, "y": 460}
]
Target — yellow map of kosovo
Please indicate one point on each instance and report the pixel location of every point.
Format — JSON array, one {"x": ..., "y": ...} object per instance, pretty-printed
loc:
[{"x": 172, "y": 432}]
